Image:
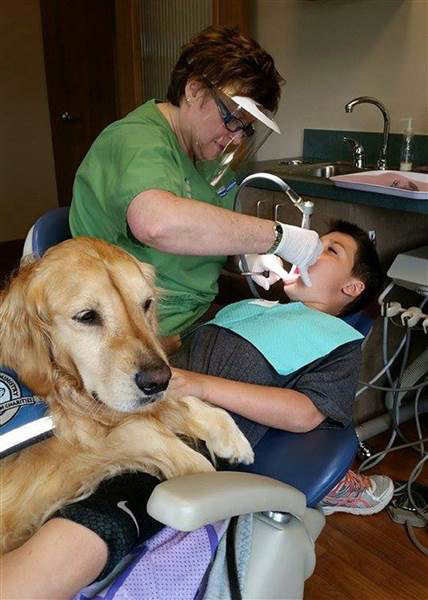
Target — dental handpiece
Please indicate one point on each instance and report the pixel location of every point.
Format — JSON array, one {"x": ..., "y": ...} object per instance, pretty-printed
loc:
[{"x": 263, "y": 273}]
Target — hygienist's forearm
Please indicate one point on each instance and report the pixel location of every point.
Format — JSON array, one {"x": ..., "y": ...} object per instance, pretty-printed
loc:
[
  {"x": 275, "y": 407},
  {"x": 185, "y": 226}
]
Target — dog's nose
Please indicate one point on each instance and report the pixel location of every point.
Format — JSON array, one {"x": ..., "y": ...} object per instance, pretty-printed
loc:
[{"x": 153, "y": 380}]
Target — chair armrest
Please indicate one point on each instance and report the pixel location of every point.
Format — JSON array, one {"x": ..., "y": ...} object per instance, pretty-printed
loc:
[{"x": 192, "y": 501}]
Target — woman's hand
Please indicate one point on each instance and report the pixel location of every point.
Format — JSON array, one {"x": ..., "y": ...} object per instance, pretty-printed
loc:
[
  {"x": 272, "y": 265},
  {"x": 185, "y": 383},
  {"x": 300, "y": 247}
]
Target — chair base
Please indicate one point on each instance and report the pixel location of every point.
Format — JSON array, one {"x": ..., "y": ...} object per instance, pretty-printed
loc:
[{"x": 282, "y": 556}]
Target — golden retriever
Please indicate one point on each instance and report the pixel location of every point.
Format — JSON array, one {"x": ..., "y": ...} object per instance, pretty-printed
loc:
[{"x": 79, "y": 328}]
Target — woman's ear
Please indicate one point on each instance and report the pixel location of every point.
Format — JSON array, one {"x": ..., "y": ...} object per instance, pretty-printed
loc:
[
  {"x": 353, "y": 288},
  {"x": 192, "y": 90}
]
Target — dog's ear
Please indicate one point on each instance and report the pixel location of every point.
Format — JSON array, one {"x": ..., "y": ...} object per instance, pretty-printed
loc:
[
  {"x": 149, "y": 274},
  {"x": 24, "y": 336}
]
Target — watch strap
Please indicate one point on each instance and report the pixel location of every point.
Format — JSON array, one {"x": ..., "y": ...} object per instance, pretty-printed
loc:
[{"x": 279, "y": 232}]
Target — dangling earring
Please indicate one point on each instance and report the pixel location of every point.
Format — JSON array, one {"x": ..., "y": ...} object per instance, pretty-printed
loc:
[{"x": 188, "y": 102}]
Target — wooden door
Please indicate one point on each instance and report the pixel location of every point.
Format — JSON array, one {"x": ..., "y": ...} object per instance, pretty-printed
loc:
[
  {"x": 93, "y": 67},
  {"x": 79, "y": 45},
  {"x": 232, "y": 13}
]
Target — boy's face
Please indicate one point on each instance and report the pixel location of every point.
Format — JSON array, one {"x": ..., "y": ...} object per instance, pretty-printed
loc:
[{"x": 333, "y": 285}]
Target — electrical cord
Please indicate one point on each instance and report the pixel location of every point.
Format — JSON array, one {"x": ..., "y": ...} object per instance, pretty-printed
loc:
[
  {"x": 414, "y": 539},
  {"x": 412, "y": 479},
  {"x": 401, "y": 326},
  {"x": 382, "y": 371},
  {"x": 387, "y": 363},
  {"x": 385, "y": 350},
  {"x": 375, "y": 459},
  {"x": 423, "y": 513},
  {"x": 417, "y": 419},
  {"x": 396, "y": 389},
  {"x": 400, "y": 447},
  {"x": 396, "y": 398}
]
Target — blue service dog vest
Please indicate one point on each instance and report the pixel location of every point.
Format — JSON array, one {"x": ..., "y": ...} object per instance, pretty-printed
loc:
[
  {"x": 23, "y": 415},
  {"x": 290, "y": 336}
]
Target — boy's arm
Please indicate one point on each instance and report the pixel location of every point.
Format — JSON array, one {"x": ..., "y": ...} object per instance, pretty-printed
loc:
[{"x": 275, "y": 407}]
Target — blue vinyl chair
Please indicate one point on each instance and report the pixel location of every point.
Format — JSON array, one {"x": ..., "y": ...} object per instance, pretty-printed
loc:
[
  {"x": 311, "y": 463},
  {"x": 49, "y": 229}
]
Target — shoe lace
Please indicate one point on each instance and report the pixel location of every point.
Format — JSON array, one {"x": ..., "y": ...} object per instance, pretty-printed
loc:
[{"x": 356, "y": 481}]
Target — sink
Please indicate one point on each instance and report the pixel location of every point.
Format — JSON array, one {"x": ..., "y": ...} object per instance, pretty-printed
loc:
[
  {"x": 332, "y": 169},
  {"x": 322, "y": 170}
]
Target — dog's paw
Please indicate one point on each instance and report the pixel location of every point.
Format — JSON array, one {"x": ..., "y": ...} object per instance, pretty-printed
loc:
[{"x": 230, "y": 443}]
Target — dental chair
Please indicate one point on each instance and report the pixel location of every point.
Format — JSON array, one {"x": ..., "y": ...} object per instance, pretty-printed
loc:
[{"x": 286, "y": 520}]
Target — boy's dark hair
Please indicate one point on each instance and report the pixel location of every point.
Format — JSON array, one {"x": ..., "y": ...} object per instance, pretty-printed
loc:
[
  {"x": 366, "y": 266},
  {"x": 227, "y": 57}
]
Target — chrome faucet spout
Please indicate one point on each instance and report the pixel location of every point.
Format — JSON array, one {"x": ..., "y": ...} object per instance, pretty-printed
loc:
[{"x": 349, "y": 106}]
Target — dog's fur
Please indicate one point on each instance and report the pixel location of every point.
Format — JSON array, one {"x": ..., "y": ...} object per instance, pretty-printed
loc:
[{"x": 78, "y": 327}]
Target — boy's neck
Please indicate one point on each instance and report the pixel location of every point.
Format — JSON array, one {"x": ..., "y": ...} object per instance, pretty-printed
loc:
[{"x": 322, "y": 308}]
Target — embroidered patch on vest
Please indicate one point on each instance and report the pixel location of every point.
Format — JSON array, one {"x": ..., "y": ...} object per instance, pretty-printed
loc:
[{"x": 13, "y": 396}]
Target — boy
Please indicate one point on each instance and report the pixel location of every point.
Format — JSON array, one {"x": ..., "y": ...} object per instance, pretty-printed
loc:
[{"x": 296, "y": 366}]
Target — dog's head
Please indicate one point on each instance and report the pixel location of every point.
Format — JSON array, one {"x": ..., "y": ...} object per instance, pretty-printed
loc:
[{"x": 85, "y": 313}]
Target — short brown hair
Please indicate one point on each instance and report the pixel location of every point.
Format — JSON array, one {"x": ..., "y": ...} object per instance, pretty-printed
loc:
[
  {"x": 226, "y": 57},
  {"x": 366, "y": 266}
]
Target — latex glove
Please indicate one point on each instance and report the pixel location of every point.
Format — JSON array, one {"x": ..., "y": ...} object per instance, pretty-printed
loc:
[
  {"x": 300, "y": 247},
  {"x": 258, "y": 263}
]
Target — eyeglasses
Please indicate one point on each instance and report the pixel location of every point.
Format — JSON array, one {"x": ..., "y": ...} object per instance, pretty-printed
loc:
[{"x": 232, "y": 123}]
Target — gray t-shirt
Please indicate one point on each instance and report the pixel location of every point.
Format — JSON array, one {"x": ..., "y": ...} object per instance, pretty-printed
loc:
[{"x": 330, "y": 382}]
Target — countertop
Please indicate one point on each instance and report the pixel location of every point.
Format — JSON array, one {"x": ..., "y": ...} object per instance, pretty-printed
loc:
[{"x": 318, "y": 187}]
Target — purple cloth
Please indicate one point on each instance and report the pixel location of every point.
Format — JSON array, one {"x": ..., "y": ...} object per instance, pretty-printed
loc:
[{"x": 170, "y": 565}]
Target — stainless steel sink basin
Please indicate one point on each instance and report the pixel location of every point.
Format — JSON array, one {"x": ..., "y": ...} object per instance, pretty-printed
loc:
[
  {"x": 332, "y": 169},
  {"x": 322, "y": 170}
]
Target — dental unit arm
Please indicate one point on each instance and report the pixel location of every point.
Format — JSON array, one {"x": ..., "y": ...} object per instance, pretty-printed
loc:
[{"x": 306, "y": 208}]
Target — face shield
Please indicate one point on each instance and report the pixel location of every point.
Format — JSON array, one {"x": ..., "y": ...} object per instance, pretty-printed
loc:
[{"x": 233, "y": 128}]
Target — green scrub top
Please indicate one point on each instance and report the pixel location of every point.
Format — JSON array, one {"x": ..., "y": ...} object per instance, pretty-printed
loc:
[{"x": 138, "y": 153}]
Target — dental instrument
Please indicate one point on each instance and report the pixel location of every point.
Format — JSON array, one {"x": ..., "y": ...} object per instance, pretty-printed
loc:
[{"x": 306, "y": 207}]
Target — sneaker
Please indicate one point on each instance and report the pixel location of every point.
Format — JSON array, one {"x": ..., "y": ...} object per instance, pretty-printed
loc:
[{"x": 358, "y": 495}]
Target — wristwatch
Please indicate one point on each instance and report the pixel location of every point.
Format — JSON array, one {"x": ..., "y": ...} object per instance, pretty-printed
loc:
[{"x": 277, "y": 227}]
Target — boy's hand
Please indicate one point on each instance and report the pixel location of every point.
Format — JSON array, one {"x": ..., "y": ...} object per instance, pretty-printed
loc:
[{"x": 185, "y": 383}]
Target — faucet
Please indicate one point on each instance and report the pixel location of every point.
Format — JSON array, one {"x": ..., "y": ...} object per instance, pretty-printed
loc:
[
  {"x": 358, "y": 152},
  {"x": 381, "y": 163}
]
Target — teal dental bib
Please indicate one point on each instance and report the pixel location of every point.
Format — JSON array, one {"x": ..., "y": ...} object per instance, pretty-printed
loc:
[{"x": 290, "y": 336}]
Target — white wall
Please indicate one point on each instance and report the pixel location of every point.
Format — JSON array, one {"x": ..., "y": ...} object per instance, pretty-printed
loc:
[{"x": 331, "y": 51}]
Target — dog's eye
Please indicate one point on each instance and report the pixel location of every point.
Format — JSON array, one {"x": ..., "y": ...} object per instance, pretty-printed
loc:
[
  {"x": 88, "y": 317},
  {"x": 147, "y": 304}
]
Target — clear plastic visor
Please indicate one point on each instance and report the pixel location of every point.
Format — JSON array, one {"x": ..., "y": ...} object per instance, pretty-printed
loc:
[{"x": 232, "y": 130}]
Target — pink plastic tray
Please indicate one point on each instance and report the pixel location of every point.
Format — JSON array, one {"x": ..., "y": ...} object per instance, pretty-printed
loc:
[{"x": 396, "y": 183}]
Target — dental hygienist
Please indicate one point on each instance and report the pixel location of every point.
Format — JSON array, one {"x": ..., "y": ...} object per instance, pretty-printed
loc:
[{"x": 160, "y": 182}]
